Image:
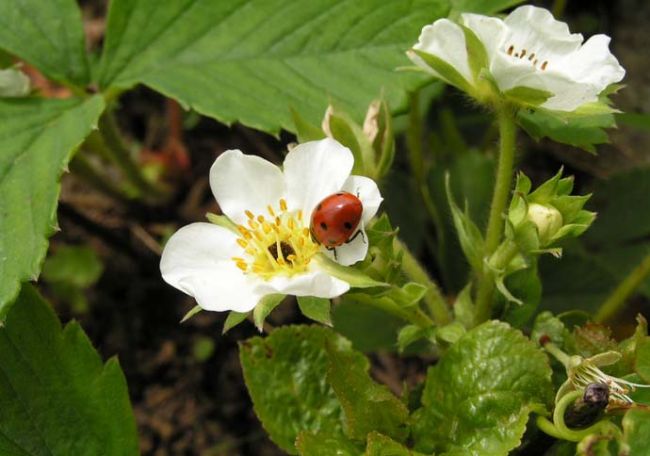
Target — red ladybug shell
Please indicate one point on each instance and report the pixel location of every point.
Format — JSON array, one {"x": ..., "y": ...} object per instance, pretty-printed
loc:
[{"x": 335, "y": 219}]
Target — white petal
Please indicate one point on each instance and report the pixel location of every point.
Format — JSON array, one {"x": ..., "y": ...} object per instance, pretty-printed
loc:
[
  {"x": 490, "y": 30},
  {"x": 531, "y": 26},
  {"x": 352, "y": 252},
  {"x": 197, "y": 261},
  {"x": 509, "y": 72},
  {"x": 445, "y": 40},
  {"x": 594, "y": 64},
  {"x": 368, "y": 192},
  {"x": 314, "y": 170},
  {"x": 245, "y": 182},
  {"x": 313, "y": 283}
]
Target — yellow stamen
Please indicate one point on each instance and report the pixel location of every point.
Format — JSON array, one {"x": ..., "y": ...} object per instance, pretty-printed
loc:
[
  {"x": 249, "y": 214},
  {"x": 283, "y": 205}
]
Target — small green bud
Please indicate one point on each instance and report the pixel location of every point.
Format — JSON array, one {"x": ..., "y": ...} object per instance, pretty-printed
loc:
[{"x": 547, "y": 219}]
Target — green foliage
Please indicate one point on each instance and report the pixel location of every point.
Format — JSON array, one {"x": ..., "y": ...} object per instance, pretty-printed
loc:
[
  {"x": 232, "y": 320},
  {"x": 270, "y": 55},
  {"x": 618, "y": 239},
  {"x": 265, "y": 307},
  {"x": 380, "y": 445},
  {"x": 483, "y": 6},
  {"x": 583, "y": 131},
  {"x": 77, "y": 265},
  {"x": 37, "y": 138},
  {"x": 478, "y": 397},
  {"x": 56, "y": 396},
  {"x": 286, "y": 376},
  {"x": 636, "y": 427},
  {"x": 366, "y": 405},
  {"x": 317, "y": 309},
  {"x": 49, "y": 35},
  {"x": 313, "y": 393}
]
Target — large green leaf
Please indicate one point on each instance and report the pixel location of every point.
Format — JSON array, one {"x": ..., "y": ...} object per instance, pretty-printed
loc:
[
  {"x": 48, "y": 34},
  {"x": 483, "y": 6},
  {"x": 367, "y": 406},
  {"x": 286, "y": 376},
  {"x": 251, "y": 60},
  {"x": 478, "y": 397},
  {"x": 56, "y": 396},
  {"x": 636, "y": 426},
  {"x": 37, "y": 138}
]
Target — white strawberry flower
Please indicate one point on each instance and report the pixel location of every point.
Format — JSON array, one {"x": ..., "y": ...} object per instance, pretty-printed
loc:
[
  {"x": 271, "y": 250},
  {"x": 529, "y": 49}
]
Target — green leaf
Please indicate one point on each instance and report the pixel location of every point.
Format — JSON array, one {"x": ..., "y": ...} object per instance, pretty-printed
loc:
[
  {"x": 265, "y": 307},
  {"x": 478, "y": 397},
  {"x": 318, "y": 309},
  {"x": 232, "y": 320},
  {"x": 76, "y": 265},
  {"x": 322, "y": 444},
  {"x": 642, "y": 362},
  {"x": 37, "y": 138},
  {"x": 56, "y": 396},
  {"x": 249, "y": 61},
  {"x": 527, "y": 96},
  {"x": 304, "y": 130},
  {"x": 367, "y": 406},
  {"x": 580, "y": 131},
  {"x": 548, "y": 326},
  {"x": 636, "y": 431},
  {"x": 49, "y": 35},
  {"x": 380, "y": 445},
  {"x": 483, "y": 6},
  {"x": 286, "y": 376}
]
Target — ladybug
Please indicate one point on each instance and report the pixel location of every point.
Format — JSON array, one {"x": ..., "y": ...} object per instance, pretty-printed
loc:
[{"x": 335, "y": 220}]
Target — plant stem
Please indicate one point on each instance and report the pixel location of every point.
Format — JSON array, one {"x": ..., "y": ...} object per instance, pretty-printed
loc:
[
  {"x": 114, "y": 147},
  {"x": 616, "y": 300},
  {"x": 557, "y": 353},
  {"x": 507, "y": 133},
  {"x": 434, "y": 299}
]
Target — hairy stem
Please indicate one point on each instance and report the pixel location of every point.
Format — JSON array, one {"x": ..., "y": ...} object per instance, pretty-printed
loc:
[
  {"x": 507, "y": 133},
  {"x": 616, "y": 300},
  {"x": 434, "y": 299}
]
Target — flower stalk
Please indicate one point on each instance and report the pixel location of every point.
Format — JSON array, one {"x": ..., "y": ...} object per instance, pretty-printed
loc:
[
  {"x": 616, "y": 300},
  {"x": 507, "y": 133}
]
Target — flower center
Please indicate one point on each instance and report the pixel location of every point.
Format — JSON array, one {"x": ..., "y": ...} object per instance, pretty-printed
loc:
[
  {"x": 278, "y": 245},
  {"x": 531, "y": 57}
]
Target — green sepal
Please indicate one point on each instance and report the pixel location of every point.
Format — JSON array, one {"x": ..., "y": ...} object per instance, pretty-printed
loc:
[
  {"x": 317, "y": 309},
  {"x": 378, "y": 125},
  {"x": 232, "y": 320},
  {"x": 222, "y": 221},
  {"x": 305, "y": 131},
  {"x": 447, "y": 72},
  {"x": 451, "y": 333},
  {"x": 527, "y": 96},
  {"x": 476, "y": 54},
  {"x": 469, "y": 236},
  {"x": 264, "y": 307},
  {"x": 193, "y": 311},
  {"x": 410, "y": 334},
  {"x": 354, "y": 277}
]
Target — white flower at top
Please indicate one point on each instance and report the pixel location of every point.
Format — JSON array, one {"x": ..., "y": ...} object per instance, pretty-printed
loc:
[
  {"x": 528, "y": 49},
  {"x": 271, "y": 251}
]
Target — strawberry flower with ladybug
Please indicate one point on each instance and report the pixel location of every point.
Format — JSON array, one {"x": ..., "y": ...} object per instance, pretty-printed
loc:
[{"x": 288, "y": 225}]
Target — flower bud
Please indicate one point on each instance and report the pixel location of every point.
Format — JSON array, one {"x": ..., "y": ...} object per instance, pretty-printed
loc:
[{"x": 547, "y": 219}]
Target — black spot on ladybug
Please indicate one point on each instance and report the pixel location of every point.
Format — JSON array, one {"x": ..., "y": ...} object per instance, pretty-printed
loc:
[
  {"x": 348, "y": 226},
  {"x": 340, "y": 193},
  {"x": 284, "y": 247},
  {"x": 323, "y": 225},
  {"x": 319, "y": 207}
]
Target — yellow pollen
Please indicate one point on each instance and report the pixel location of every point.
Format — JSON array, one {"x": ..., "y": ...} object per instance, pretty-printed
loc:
[{"x": 281, "y": 246}]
